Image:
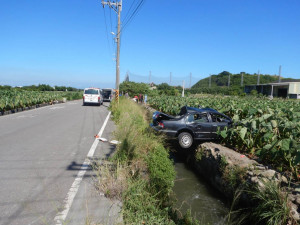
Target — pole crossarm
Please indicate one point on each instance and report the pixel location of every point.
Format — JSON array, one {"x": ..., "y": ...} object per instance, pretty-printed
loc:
[{"x": 113, "y": 5}]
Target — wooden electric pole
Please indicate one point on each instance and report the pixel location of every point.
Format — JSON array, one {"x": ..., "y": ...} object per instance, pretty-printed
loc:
[{"x": 117, "y": 7}]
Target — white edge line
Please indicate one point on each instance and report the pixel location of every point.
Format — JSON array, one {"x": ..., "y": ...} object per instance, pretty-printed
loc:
[{"x": 62, "y": 215}]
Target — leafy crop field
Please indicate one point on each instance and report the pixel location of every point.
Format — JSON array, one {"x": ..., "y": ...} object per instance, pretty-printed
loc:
[
  {"x": 13, "y": 99},
  {"x": 268, "y": 129}
]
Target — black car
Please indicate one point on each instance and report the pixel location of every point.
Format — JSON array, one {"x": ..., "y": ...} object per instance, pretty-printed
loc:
[{"x": 191, "y": 124}]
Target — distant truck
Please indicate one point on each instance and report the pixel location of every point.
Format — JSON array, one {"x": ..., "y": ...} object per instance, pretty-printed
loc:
[{"x": 108, "y": 94}]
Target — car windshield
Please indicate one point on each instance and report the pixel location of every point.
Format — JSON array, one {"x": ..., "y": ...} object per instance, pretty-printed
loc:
[{"x": 91, "y": 92}]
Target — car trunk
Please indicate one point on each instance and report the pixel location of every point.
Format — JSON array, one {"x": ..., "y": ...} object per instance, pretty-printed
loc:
[{"x": 160, "y": 117}]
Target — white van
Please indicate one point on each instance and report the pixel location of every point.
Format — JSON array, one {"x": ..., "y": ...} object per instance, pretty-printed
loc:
[{"x": 92, "y": 96}]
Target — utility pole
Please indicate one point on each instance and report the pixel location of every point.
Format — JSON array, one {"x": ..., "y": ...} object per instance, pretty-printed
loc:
[
  {"x": 190, "y": 80},
  {"x": 182, "y": 95},
  {"x": 279, "y": 79},
  {"x": 209, "y": 81},
  {"x": 242, "y": 79},
  {"x": 149, "y": 77},
  {"x": 258, "y": 78},
  {"x": 170, "y": 78},
  {"x": 117, "y": 7}
]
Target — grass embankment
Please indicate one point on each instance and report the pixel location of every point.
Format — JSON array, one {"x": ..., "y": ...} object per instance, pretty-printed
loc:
[{"x": 141, "y": 174}]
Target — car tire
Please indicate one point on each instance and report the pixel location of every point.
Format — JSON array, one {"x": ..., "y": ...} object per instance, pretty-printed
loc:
[{"x": 185, "y": 140}]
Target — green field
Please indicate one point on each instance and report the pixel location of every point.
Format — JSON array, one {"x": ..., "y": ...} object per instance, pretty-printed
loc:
[
  {"x": 14, "y": 99},
  {"x": 267, "y": 129}
]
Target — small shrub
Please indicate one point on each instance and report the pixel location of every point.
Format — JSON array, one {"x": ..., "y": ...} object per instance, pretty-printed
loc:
[{"x": 253, "y": 92}]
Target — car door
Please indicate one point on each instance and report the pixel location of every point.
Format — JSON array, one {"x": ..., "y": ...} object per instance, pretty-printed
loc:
[
  {"x": 200, "y": 125},
  {"x": 219, "y": 122}
]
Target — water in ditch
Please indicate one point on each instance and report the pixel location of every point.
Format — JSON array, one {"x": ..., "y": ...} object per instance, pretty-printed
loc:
[{"x": 194, "y": 193}]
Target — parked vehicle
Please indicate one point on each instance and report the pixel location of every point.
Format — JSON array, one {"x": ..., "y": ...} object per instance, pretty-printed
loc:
[
  {"x": 92, "y": 96},
  {"x": 108, "y": 94},
  {"x": 191, "y": 124}
]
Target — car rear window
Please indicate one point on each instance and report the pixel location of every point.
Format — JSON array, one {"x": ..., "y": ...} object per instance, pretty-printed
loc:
[{"x": 91, "y": 92}]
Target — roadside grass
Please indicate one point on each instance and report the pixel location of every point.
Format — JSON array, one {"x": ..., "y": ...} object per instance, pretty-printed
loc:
[{"x": 140, "y": 173}]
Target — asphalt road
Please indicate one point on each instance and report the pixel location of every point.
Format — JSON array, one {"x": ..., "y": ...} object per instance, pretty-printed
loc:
[{"x": 41, "y": 153}]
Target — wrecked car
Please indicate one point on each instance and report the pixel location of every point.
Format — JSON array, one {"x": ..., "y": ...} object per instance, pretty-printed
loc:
[{"x": 191, "y": 124}]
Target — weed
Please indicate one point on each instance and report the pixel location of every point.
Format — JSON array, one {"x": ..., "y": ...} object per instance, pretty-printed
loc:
[
  {"x": 199, "y": 154},
  {"x": 234, "y": 176},
  {"x": 271, "y": 206},
  {"x": 223, "y": 163},
  {"x": 111, "y": 180}
]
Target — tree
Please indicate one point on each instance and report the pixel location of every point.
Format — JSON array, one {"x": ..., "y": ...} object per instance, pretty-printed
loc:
[
  {"x": 133, "y": 88},
  {"x": 166, "y": 89}
]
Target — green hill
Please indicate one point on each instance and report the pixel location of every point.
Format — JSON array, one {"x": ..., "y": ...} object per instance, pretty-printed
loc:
[{"x": 221, "y": 80}]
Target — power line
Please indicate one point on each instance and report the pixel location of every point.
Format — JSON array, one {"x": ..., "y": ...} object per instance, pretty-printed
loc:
[
  {"x": 107, "y": 31},
  {"x": 133, "y": 14},
  {"x": 128, "y": 11}
]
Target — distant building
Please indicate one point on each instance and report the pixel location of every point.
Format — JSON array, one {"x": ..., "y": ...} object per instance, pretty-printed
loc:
[{"x": 282, "y": 90}]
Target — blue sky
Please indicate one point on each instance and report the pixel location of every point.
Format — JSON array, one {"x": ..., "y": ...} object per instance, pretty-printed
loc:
[{"x": 68, "y": 42}]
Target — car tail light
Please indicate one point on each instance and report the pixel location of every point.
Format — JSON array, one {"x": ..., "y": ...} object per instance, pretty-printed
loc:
[
  {"x": 83, "y": 97},
  {"x": 161, "y": 125},
  {"x": 155, "y": 115},
  {"x": 99, "y": 98}
]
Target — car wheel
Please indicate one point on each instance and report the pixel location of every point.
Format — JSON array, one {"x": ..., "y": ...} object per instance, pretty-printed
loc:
[{"x": 185, "y": 140}]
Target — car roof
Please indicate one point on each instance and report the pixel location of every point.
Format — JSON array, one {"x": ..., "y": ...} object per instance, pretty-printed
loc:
[
  {"x": 187, "y": 109},
  {"x": 191, "y": 109}
]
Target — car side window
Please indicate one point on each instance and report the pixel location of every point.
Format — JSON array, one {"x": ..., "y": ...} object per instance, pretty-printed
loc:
[
  {"x": 190, "y": 118},
  {"x": 201, "y": 118},
  {"x": 218, "y": 118}
]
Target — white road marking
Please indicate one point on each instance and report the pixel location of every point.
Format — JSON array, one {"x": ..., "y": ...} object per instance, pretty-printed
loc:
[
  {"x": 57, "y": 107},
  {"x": 62, "y": 215},
  {"x": 26, "y": 116}
]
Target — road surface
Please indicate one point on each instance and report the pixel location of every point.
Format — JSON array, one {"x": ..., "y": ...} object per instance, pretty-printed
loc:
[{"x": 41, "y": 154}]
